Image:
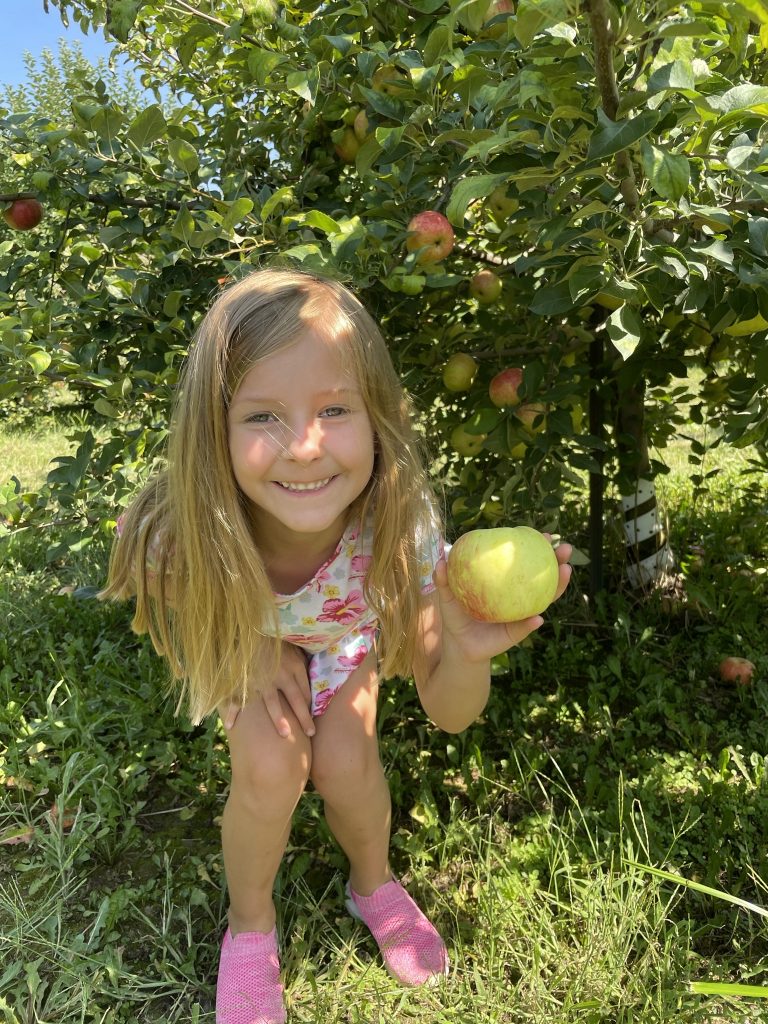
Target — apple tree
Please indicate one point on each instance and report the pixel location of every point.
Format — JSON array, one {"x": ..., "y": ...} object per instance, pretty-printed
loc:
[{"x": 595, "y": 179}]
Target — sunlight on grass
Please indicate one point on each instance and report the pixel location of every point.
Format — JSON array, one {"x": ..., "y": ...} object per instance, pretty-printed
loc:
[{"x": 26, "y": 454}]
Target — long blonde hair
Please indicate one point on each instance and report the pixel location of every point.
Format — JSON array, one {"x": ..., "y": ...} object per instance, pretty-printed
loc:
[{"x": 205, "y": 598}]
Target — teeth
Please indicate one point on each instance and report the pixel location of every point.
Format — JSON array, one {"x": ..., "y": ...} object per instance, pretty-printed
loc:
[{"x": 306, "y": 487}]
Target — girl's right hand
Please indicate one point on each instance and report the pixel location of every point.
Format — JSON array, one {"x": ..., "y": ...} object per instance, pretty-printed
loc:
[{"x": 292, "y": 681}]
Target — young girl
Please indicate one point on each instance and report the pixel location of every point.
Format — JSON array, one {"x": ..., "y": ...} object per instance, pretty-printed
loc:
[{"x": 287, "y": 560}]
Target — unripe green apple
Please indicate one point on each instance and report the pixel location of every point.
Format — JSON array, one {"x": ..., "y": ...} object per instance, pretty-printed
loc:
[
  {"x": 504, "y": 574},
  {"x": 361, "y": 126},
  {"x": 459, "y": 372},
  {"x": 485, "y": 286},
  {"x": 347, "y": 146},
  {"x": 502, "y": 205},
  {"x": 466, "y": 444}
]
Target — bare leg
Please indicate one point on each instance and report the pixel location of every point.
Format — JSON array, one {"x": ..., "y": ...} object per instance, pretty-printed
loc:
[
  {"x": 347, "y": 773},
  {"x": 269, "y": 773}
]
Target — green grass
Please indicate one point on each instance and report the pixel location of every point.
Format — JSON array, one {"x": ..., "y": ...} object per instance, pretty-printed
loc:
[
  {"x": 27, "y": 454},
  {"x": 608, "y": 743}
]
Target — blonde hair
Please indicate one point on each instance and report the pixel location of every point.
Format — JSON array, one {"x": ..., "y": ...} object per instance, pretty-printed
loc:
[{"x": 207, "y": 602}]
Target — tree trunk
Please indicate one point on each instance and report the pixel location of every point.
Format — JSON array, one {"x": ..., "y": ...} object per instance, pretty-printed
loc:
[{"x": 649, "y": 556}]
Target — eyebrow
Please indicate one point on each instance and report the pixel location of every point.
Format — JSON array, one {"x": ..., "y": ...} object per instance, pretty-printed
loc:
[{"x": 333, "y": 393}]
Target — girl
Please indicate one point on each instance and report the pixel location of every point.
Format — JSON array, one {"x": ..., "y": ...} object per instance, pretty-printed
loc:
[{"x": 286, "y": 561}]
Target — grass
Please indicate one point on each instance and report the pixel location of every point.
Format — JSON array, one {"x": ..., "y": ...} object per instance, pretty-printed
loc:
[{"x": 608, "y": 745}]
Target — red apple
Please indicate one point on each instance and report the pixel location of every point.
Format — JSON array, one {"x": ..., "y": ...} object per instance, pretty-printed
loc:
[
  {"x": 503, "y": 388},
  {"x": 485, "y": 286},
  {"x": 459, "y": 372},
  {"x": 23, "y": 214},
  {"x": 494, "y": 8},
  {"x": 736, "y": 670},
  {"x": 431, "y": 233}
]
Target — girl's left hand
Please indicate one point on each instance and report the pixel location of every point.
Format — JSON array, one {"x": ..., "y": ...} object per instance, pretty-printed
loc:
[{"x": 479, "y": 641}]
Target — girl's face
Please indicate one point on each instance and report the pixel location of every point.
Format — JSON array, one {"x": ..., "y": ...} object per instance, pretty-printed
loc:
[{"x": 301, "y": 441}]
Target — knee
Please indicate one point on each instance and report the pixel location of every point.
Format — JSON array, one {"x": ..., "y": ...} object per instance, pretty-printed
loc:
[
  {"x": 273, "y": 773},
  {"x": 345, "y": 769}
]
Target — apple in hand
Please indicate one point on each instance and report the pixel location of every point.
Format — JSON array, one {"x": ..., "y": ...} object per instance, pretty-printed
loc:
[
  {"x": 485, "y": 286},
  {"x": 459, "y": 372},
  {"x": 503, "y": 388},
  {"x": 430, "y": 232},
  {"x": 736, "y": 670},
  {"x": 23, "y": 214},
  {"x": 504, "y": 574}
]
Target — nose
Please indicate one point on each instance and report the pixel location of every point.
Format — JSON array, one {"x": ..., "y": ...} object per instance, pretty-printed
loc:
[{"x": 306, "y": 441}]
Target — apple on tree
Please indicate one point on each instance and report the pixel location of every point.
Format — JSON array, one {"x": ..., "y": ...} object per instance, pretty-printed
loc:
[
  {"x": 503, "y": 574},
  {"x": 532, "y": 416},
  {"x": 485, "y": 286},
  {"x": 465, "y": 443},
  {"x": 23, "y": 214},
  {"x": 347, "y": 145},
  {"x": 459, "y": 372},
  {"x": 504, "y": 387},
  {"x": 430, "y": 235},
  {"x": 502, "y": 205}
]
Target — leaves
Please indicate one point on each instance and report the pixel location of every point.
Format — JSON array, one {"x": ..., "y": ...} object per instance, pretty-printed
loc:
[
  {"x": 670, "y": 174},
  {"x": 613, "y": 136}
]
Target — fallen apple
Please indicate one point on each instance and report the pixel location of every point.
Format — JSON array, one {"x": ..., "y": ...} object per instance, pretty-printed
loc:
[
  {"x": 430, "y": 235},
  {"x": 504, "y": 387},
  {"x": 485, "y": 286},
  {"x": 503, "y": 574},
  {"x": 459, "y": 372},
  {"x": 23, "y": 214},
  {"x": 736, "y": 670}
]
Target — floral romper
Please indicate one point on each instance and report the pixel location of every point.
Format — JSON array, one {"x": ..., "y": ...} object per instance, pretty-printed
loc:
[{"x": 328, "y": 617}]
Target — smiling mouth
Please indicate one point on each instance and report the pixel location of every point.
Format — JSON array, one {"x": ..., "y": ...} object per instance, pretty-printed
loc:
[{"x": 316, "y": 486}]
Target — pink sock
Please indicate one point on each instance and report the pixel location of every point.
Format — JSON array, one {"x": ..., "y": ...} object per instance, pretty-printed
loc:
[
  {"x": 412, "y": 950},
  {"x": 248, "y": 990}
]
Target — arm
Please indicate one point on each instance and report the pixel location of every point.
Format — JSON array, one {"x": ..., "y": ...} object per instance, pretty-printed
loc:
[{"x": 454, "y": 680}]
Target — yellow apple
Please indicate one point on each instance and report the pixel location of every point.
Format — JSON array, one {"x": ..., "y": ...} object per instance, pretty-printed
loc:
[
  {"x": 503, "y": 574},
  {"x": 459, "y": 372}
]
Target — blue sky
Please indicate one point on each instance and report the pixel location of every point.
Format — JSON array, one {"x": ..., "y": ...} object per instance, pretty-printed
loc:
[{"x": 26, "y": 26}]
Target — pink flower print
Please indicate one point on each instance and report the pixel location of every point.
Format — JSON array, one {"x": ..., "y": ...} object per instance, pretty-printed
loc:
[
  {"x": 321, "y": 702},
  {"x": 346, "y": 610},
  {"x": 319, "y": 581},
  {"x": 352, "y": 661},
  {"x": 360, "y": 566}
]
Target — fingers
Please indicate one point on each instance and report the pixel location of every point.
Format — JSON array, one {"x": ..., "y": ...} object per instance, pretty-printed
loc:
[
  {"x": 275, "y": 711},
  {"x": 298, "y": 696},
  {"x": 228, "y": 713},
  {"x": 518, "y": 631}
]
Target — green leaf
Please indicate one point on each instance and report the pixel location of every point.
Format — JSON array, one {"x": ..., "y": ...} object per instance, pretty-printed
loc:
[
  {"x": 552, "y": 299},
  {"x": 624, "y": 329},
  {"x": 668, "y": 173},
  {"x": 612, "y": 136},
  {"x": 761, "y": 366},
  {"x": 440, "y": 41},
  {"x": 236, "y": 212},
  {"x": 39, "y": 361},
  {"x": 282, "y": 195},
  {"x": 477, "y": 187},
  {"x": 101, "y": 405},
  {"x": 184, "y": 155},
  {"x": 146, "y": 127},
  {"x": 742, "y": 97},
  {"x": 261, "y": 64},
  {"x": 321, "y": 221},
  {"x": 121, "y": 17},
  {"x": 723, "y": 988},
  {"x": 677, "y": 76},
  {"x": 535, "y": 15},
  {"x": 757, "y": 10}
]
